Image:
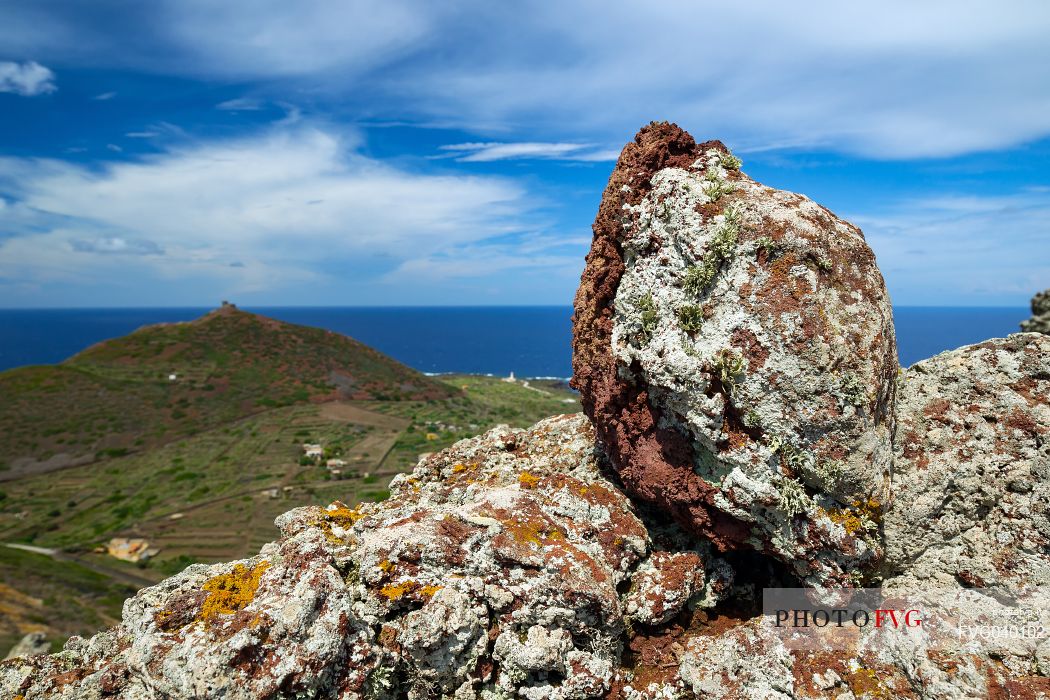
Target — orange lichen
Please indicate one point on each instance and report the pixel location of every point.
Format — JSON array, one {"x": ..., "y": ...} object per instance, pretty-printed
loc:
[
  {"x": 534, "y": 531},
  {"x": 527, "y": 480},
  {"x": 858, "y": 517},
  {"x": 343, "y": 516},
  {"x": 396, "y": 591},
  {"x": 386, "y": 565},
  {"x": 456, "y": 469},
  {"x": 429, "y": 591},
  {"x": 232, "y": 591}
]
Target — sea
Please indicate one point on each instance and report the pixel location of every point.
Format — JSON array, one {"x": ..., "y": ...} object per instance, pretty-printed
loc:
[{"x": 528, "y": 341}]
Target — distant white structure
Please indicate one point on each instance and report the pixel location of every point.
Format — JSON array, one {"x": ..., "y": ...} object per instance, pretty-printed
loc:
[
  {"x": 335, "y": 463},
  {"x": 133, "y": 549},
  {"x": 173, "y": 377},
  {"x": 312, "y": 450},
  {"x": 510, "y": 379}
]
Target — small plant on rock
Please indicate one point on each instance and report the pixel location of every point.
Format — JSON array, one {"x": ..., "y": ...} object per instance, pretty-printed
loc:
[
  {"x": 752, "y": 419},
  {"x": 698, "y": 277},
  {"x": 728, "y": 366},
  {"x": 852, "y": 391},
  {"x": 691, "y": 318},
  {"x": 647, "y": 317},
  {"x": 716, "y": 186},
  {"x": 729, "y": 161},
  {"x": 767, "y": 245},
  {"x": 721, "y": 250},
  {"x": 792, "y": 497}
]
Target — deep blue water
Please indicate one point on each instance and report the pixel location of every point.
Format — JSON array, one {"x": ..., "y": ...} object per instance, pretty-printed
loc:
[{"x": 530, "y": 341}]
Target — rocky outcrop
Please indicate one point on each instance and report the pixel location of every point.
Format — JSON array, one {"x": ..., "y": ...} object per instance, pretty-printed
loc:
[
  {"x": 734, "y": 346},
  {"x": 1040, "y": 321},
  {"x": 32, "y": 644},
  {"x": 495, "y": 570},
  {"x": 972, "y": 472},
  {"x": 508, "y": 566}
]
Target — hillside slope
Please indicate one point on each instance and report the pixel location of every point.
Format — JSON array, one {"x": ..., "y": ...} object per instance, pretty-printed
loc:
[{"x": 168, "y": 381}]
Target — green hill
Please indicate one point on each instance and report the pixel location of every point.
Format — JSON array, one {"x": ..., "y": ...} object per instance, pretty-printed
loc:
[
  {"x": 170, "y": 381},
  {"x": 107, "y": 445}
]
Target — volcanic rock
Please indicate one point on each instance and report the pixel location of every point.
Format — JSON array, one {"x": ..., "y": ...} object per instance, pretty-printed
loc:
[
  {"x": 734, "y": 346},
  {"x": 1040, "y": 321},
  {"x": 972, "y": 473},
  {"x": 494, "y": 568}
]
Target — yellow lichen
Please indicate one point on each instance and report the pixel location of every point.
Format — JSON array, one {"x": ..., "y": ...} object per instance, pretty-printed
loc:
[
  {"x": 343, "y": 516},
  {"x": 527, "y": 480},
  {"x": 393, "y": 591},
  {"x": 396, "y": 591},
  {"x": 456, "y": 469},
  {"x": 866, "y": 682},
  {"x": 860, "y": 517},
  {"x": 428, "y": 591},
  {"x": 386, "y": 565},
  {"x": 533, "y": 532},
  {"x": 231, "y": 592}
]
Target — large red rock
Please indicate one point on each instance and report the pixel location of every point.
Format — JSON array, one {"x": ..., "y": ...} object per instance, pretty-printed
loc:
[{"x": 734, "y": 346}]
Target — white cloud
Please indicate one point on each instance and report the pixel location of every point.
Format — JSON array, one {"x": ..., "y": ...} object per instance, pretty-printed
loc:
[
  {"x": 141, "y": 134},
  {"x": 965, "y": 249},
  {"x": 26, "y": 79},
  {"x": 896, "y": 79},
  {"x": 241, "y": 104},
  {"x": 284, "y": 205},
  {"x": 492, "y": 151},
  {"x": 114, "y": 245},
  {"x": 104, "y": 96}
]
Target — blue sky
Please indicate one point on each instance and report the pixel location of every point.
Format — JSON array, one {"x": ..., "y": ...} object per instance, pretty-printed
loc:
[{"x": 408, "y": 152}]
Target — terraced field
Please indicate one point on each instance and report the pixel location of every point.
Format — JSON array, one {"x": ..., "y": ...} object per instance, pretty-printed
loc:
[{"x": 213, "y": 496}]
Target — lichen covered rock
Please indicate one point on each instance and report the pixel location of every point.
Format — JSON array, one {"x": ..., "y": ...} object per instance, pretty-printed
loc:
[
  {"x": 493, "y": 570},
  {"x": 972, "y": 477},
  {"x": 734, "y": 346},
  {"x": 1040, "y": 321}
]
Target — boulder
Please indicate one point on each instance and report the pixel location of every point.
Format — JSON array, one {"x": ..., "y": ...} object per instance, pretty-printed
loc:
[
  {"x": 32, "y": 644},
  {"x": 734, "y": 346},
  {"x": 1040, "y": 321},
  {"x": 971, "y": 502}
]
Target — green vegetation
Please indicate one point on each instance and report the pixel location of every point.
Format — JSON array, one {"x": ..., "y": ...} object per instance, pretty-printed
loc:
[
  {"x": 202, "y": 465},
  {"x": 648, "y": 317},
  {"x": 61, "y": 597},
  {"x": 730, "y": 161},
  {"x": 767, "y": 245},
  {"x": 691, "y": 318},
  {"x": 721, "y": 250},
  {"x": 728, "y": 366},
  {"x": 118, "y": 396},
  {"x": 715, "y": 185}
]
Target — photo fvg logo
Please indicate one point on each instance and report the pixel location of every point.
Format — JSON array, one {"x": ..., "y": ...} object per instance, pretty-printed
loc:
[
  {"x": 841, "y": 617},
  {"x": 946, "y": 619}
]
